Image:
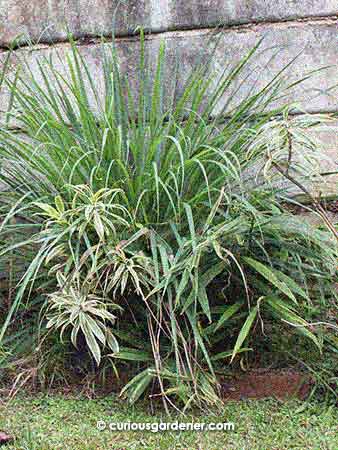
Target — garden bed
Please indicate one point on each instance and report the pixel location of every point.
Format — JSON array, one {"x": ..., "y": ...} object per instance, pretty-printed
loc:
[{"x": 264, "y": 383}]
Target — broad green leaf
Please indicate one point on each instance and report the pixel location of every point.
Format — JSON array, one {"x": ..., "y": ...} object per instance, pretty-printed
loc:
[
  {"x": 98, "y": 225},
  {"x": 230, "y": 311},
  {"x": 48, "y": 210},
  {"x": 283, "y": 312},
  {"x": 203, "y": 300},
  {"x": 137, "y": 383},
  {"x": 132, "y": 355},
  {"x": 91, "y": 342},
  {"x": 191, "y": 224},
  {"x": 229, "y": 353},
  {"x": 59, "y": 204},
  {"x": 244, "y": 333},
  {"x": 271, "y": 276},
  {"x": 199, "y": 339},
  {"x": 136, "y": 392},
  {"x": 292, "y": 284},
  {"x": 208, "y": 276}
]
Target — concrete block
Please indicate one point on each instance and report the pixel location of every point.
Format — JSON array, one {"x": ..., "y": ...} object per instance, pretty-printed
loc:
[
  {"x": 43, "y": 21},
  {"x": 46, "y": 21},
  {"x": 201, "y": 13}
]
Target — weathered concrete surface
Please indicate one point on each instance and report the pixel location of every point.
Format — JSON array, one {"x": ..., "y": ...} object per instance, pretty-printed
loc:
[
  {"x": 228, "y": 12},
  {"x": 314, "y": 43},
  {"x": 46, "y": 21},
  {"x": 326, "y": 138}
]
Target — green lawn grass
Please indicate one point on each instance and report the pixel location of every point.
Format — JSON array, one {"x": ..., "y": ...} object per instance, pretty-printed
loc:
[{"x": 57, "y": 422}]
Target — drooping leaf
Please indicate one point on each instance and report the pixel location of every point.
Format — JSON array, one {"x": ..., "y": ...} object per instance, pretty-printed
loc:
[
  {"x": 270, "y": 276},
  {"x": 244, "y": 333},
  {"x": 284, "y": 312},
  {"x": 230, "y": 311}
]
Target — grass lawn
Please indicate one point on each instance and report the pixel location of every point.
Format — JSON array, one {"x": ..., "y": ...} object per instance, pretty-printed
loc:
[{"x": 57, "y": 422}]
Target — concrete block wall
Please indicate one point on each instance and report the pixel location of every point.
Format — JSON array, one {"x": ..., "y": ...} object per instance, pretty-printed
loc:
[
  {"x": 307, "y": 28},
  {"x": 45, "y": 20}
]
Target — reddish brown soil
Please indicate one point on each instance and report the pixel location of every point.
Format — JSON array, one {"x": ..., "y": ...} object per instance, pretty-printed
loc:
[
  {"x": 332, "y": 206},
  {"x": 254, "y": 384},
  {"x": 5, "y": 438},
  {"x": 329, "y": 206},
  {"x": 259, "y": 384}
]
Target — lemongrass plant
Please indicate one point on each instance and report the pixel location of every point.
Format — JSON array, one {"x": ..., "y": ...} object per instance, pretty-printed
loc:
[{"x": 153, "y": 229}]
